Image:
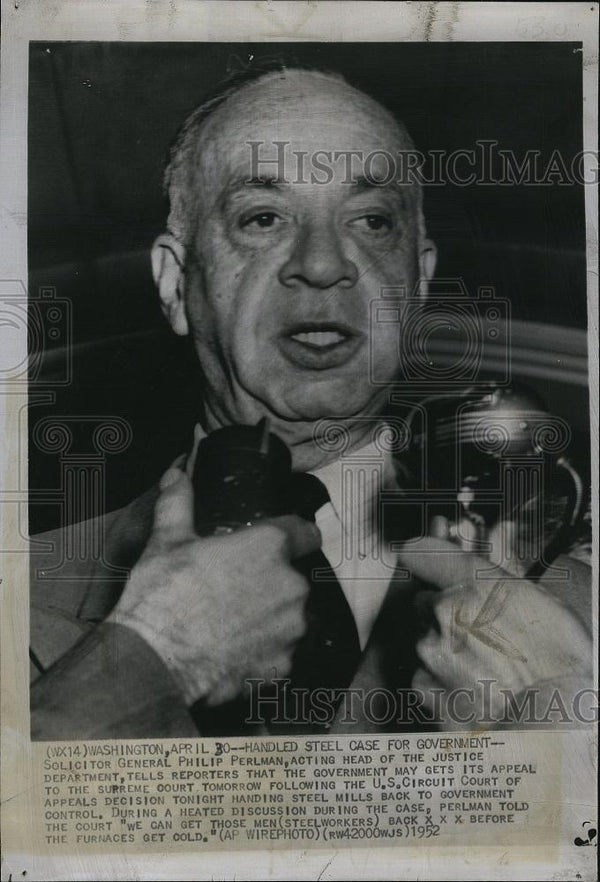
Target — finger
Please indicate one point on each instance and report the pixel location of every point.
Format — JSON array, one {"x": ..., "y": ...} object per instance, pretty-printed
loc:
[
  {"x": 283, "y": 630},
  {"x": 199, "y": 435},
  {"x": 296, "y": 628},
  {"x": 502, "y": 540},
  {"x": 440, "y": 527},
  {"x": 428, "y": 688},
  {"x": 466, "y": 533},
  {"x": 278, "y": 667},
  {"x": 440, "y": 659},
  {"x": 441, "y": 563},
  {"x": 174, "y": 511},
  {"x": 424, "y": 681},
  {"x": 301, "y": 536},
  {"x": 172, "y": 474}
]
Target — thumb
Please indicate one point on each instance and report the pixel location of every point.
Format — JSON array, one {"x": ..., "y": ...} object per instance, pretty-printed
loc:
[
  {"x": 302, "y": 536},
  {"x": 502, "y": 547},
  {"x": 440, "y": 562},
  {"x": 174, "y": 510}
]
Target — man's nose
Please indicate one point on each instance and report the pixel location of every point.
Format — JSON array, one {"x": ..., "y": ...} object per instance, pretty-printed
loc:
[{"x": 318, "y": 260}]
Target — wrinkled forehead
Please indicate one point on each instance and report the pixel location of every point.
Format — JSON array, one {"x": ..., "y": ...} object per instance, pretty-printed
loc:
[{"x": 306, "y": 110}]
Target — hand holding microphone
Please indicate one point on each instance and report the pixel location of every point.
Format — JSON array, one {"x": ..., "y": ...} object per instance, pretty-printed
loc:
[{"x": 227, "y": 606}]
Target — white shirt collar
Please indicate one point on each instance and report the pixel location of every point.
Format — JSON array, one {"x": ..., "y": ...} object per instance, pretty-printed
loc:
[
  {"x": 368, "y": 470},
  {"x": 350, "y": 530}
]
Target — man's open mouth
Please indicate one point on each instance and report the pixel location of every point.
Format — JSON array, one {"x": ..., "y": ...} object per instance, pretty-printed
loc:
[
  {"x": 319, "y": 338},
  {"x": 319, "y": 345}
]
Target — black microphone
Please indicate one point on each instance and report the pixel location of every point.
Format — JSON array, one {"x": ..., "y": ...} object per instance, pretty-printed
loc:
[{"x": 241, "y": 475}]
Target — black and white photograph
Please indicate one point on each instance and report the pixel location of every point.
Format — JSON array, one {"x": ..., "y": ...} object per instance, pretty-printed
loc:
[
  {"x": 379, "y": 309},
  {"x": 305, "y": 475}
]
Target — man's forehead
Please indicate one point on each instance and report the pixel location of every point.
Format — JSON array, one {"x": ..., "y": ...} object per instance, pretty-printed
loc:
[{"x": 306, "y": 110}]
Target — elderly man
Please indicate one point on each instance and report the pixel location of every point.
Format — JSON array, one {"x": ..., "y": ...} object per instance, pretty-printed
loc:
[{"x": 271, "y": 272}]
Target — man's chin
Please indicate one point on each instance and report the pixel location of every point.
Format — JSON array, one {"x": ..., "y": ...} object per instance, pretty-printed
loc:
[
  {"x": 296, "y": 413},
  {"x": 312, "y": 404}
]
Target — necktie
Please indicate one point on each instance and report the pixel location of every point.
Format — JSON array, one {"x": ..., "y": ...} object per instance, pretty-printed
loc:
[{"x": 328, "y": 654}]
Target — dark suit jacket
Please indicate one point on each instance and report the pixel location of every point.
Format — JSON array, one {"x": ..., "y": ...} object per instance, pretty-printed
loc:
[{"x": 95, "y": 680}]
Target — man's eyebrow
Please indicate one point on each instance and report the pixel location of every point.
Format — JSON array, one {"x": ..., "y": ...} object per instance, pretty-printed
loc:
[
  {"x": 362, "y": 183},
  {"x": 236, "y": 188},
  {"x": 265, "y": 181}
]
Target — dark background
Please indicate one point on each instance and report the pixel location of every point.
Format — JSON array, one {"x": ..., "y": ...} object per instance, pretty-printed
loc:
[{"x": 101, "y": 118}]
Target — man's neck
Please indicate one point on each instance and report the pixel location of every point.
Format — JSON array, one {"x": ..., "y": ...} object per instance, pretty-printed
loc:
[{"x": 313, "y": 445}]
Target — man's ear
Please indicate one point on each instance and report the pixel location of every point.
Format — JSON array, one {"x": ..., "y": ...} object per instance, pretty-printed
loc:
[
  {"x": 427, "y": 264},
  {"x": 168, "y": 261}
]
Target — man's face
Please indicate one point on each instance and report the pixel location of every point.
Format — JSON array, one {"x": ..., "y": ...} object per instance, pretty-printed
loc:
[{"x": 280, "y": 276}]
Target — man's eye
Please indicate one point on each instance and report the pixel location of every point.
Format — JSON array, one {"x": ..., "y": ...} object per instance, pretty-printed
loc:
[
  {"x": 264, "y": 220},
  {"x": 374, "y": 222}
]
